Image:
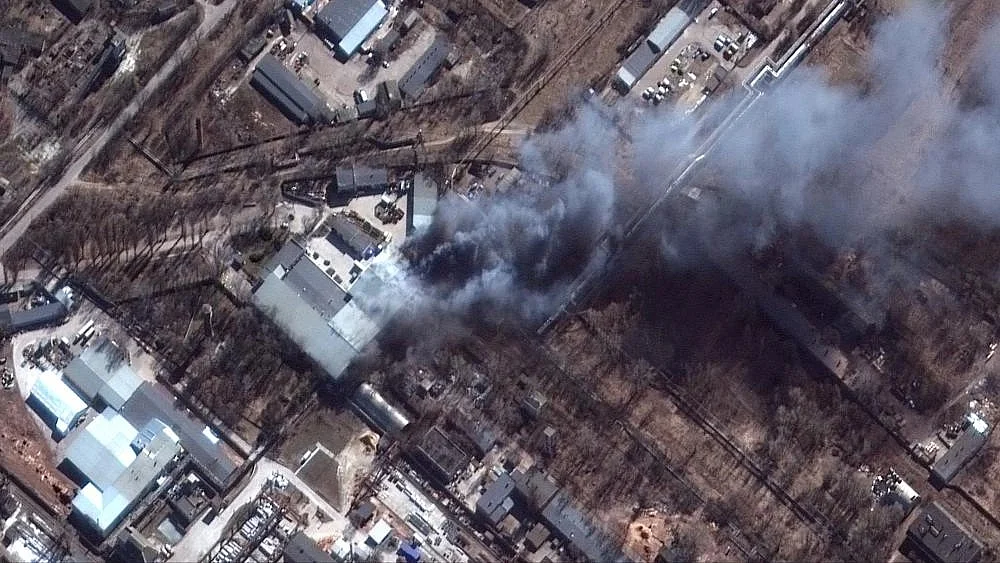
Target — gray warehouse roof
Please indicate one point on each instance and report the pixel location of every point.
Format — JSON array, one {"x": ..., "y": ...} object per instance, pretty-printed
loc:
[
  {"x": 285, "y": 90},
  {"x": 151, "y": 401},
  {"x": 668, "y": 30},
  {"x": 360, "y": 242},
  {"x": 969, "y": 442},
  {"x": 332, "y": 341},
  {"x": 940, "y": 538},
  {"x": 102, "y": 371},
  {"x": 637, "y": 64},
  {"x": 423, "y": 201},
  {"x": 36, "y": 317},
  {"x": 415, "y": 80}
]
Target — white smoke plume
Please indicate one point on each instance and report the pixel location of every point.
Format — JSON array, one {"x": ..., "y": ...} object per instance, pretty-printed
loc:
[{"x": 810, "y": 154}]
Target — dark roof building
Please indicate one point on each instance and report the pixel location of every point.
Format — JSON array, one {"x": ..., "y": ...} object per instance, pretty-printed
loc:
[
  {"x": 975, "y": 432},
  {"x": 534, "y": 487},
  {"x": 388, "y": 97},
  {"x": 252, "y": 48},
  {"x": 12, "y": 322},
  {"x": 347, "y": 23},
  {"x": 937, "y": 538},
  {"x": 536, "y": 537},
  {"x": 423, "y": 71},
  {"x": 73, "y": 9},
  {"x": 573, "y": 527},
  {"x": 301, "y": 549},
  {"x": 441, "y": 456},
  {"x": 354, "y": 179},
  {"x": 283, "y": 89},
  {"x": 495, "y": 504},
  {"x": 152, "y": 401}
]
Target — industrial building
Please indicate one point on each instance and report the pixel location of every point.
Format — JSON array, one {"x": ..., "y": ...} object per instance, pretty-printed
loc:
[
  {"x": 116, "y": 465},
  {"x": 330, "y": 324},
  {"x": 153, "y": 402},
  {"x": 360, "y": 242},
  {"x": 975, "y": 432},
  {"x": 56, "y": 403},
  {"x": 375, "y": 410},
  {"x": 422, "y": 203},
  {"x": 102, "y": 374},
  {"x": 352, "y": 180},
  {"x": 441, "y": 456},
  {"x": 415, "y": 81},
  {"x": 666, "y": 32},
  {"x": 293, "y": 97},
  {"x": 348, "y": 23},
  {"x": 938, "y": 538},
  {"x": 12, "y": 322}
]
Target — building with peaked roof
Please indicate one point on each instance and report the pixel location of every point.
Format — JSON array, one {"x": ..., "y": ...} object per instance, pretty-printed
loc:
[
  {"x": 975, "y": 432},
  {"x": 330, "y": 324},
  {"x": 56, "y": 403},
  {"x": 153, "y": 402},
  {"x": 113, "y": 472},
  {"x": 635, "y": 66},
  {"x": 422, "y": 72},
  {"x": 937, "y": 537},
  {"x": 292, "y": 96},
  {"x": 348, "y": 23},
  {"x": 102, "y": 373}
]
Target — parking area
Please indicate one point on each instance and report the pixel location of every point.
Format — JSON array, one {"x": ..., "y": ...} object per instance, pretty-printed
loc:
[
  {"x": 695, "y": 54},
  {"x": 338, "y": 81}
]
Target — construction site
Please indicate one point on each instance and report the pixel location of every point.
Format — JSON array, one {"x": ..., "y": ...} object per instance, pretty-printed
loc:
[{"x": 486, "y": 280}]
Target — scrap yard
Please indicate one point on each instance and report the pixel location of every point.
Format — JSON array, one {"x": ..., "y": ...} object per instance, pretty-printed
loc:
[{"x": 499, "y": 280}]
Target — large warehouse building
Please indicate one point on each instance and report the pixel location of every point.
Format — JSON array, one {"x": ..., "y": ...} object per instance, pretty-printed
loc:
[
  {"x": 331, "y": 325},
  {"x": 347, "y": 23},
  {"x": 283, "y": 89}
]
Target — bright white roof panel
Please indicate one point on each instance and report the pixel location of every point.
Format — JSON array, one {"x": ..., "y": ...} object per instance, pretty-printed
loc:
[{"x": 62, "y": 405}]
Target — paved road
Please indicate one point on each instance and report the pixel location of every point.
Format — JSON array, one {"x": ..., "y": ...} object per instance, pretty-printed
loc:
[{"x": 92, "y": 144}]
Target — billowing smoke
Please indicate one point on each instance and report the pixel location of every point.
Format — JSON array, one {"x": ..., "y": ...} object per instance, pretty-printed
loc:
[{"x": 850, "y": 162}]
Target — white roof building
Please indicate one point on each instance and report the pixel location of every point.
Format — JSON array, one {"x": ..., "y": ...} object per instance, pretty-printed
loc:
[
  {"x": 56, "y": 403},
  {"x": 119, "y": 464}
]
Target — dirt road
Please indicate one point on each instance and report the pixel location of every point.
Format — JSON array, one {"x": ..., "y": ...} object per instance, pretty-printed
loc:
[{"x": 92, "y": 145}]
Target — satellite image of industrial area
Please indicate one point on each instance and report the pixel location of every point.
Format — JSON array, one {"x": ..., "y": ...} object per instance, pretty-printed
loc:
[{"x": 491, "y": 281}]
